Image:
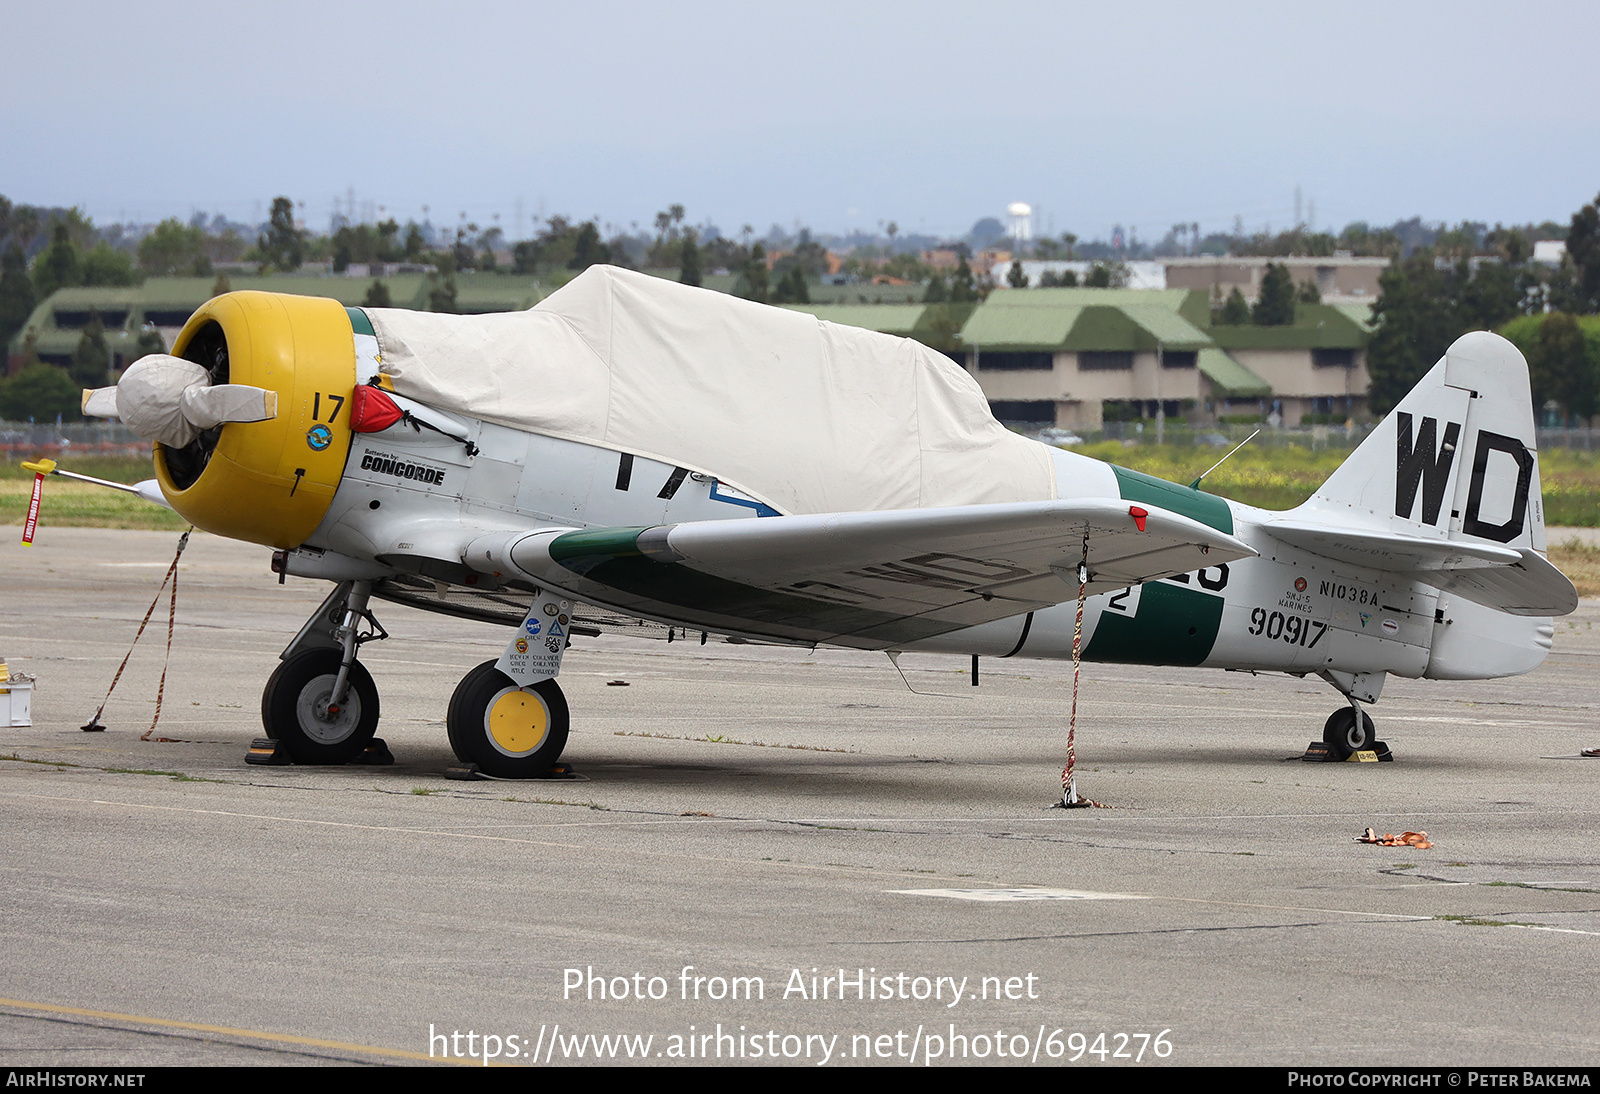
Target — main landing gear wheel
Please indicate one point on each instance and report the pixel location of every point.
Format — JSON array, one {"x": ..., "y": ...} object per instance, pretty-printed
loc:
[
  {"x": 295, "y": 708},
  {"x": 1344, "y": 733},
  {"x": 508, "y": 731}
]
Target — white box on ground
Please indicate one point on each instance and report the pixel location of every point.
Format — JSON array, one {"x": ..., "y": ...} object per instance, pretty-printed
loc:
[{"x": 16, "y": 696}]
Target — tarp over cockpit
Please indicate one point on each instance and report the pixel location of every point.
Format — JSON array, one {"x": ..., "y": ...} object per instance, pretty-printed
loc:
[{"x": 808, "y": 416}]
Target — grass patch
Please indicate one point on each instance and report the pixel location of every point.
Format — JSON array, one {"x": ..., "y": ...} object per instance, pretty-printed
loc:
[
  {"x": 1537, "y": 888},
  {"x": 1580, "y": 562},
  {"x": 175, "y": 776},
  {"x": 1474, "y": 921}
]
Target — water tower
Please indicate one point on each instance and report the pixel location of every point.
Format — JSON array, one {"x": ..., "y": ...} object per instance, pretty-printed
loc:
[{"x": 1021, "y": 214}]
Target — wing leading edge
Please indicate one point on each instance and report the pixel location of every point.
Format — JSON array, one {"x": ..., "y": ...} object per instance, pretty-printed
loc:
[{"x": 872, "y": 580}]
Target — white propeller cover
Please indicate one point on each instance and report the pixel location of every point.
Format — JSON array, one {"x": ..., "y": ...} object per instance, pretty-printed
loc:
[{"x": 170, "y": 400}]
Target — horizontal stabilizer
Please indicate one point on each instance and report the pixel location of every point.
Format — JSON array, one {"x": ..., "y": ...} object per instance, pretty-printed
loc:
[{"x": 1518, "y": 581}]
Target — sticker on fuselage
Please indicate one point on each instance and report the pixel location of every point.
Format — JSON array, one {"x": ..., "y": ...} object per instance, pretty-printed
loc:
[{"x": 385, "y": 463}]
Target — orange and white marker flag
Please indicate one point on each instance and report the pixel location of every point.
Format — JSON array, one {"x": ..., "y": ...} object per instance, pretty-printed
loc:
[{"x": 40, "y": 470}]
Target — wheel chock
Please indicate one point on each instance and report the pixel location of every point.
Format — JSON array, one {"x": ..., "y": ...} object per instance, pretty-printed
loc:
[
  {"x": 376, "y": 754},
  {"x": 1317, "y": 752},
  {"x": 267, "y": 752},
  {"x": 471, "y": 773}
]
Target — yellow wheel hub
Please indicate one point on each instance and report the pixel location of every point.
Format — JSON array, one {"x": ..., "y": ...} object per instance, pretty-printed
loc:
[{"x": 518, "y": 722}]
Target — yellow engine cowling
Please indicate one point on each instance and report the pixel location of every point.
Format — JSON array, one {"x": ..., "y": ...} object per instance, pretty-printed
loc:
[{"x": 267, "y": 482}]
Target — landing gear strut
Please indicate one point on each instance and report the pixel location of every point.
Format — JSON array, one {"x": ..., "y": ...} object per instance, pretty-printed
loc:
[{"x": 320, "y": 704}]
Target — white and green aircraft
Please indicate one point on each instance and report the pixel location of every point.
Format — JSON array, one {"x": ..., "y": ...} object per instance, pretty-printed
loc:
[{"x": 635, "y": 450}]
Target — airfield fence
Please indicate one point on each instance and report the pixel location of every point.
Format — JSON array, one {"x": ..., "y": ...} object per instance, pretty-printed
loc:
[
  {"x": 1314, "y": 437},
  {"x": 30, "y": 440}
]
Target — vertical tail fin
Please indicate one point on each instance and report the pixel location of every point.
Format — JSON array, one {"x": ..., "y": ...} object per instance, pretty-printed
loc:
[{"x": 1456, "y": 459}]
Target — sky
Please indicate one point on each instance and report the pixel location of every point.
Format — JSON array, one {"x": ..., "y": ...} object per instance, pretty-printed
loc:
[{"x": 837, "y": 115}]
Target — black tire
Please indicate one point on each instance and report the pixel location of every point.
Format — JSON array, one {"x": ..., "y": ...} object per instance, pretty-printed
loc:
[
  {"x": 294, "y": 709},
  {"x": 525, "y": 739},
  {"x": 1343, "y": 736}
]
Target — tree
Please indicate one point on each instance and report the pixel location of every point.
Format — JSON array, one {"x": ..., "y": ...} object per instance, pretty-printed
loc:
[
  {"x": 282, "y": 246},
  {"x": 442, "y": 296},
  {"x": 221, "y": 285},
  {"x": 1275, "y": 306},
  {"x": 937, "y": 292},
  {"x": 378, "y": 295},
  {"x": 588, "y": 250},
  {"x": 1560, "y": 370},
  {"x": 1583, "y": 247},
  {"x": 91, "y": 361},
  {"x": 792, "y": 288},
  {"x": 1098, "y": 277},
  {"x": 1016, "y": 278},
  {"x": 753, "y": 280},
  {"x": 963, "y": 286},
  {"x": 105, "y": 265},
  {"x": 173, "y": 247},
  {"x": 1308, "y": 293},
  {"x": 40, "y": 391},
  {"x": 1235, "y": 312},
  {"x": 1416, "y": 319},
  {"x": 16, "y": 294},
  {"x": 59, "y": 266},
  {"x": 689, "y": 263},
  {"x": 1492, "y": 296}
]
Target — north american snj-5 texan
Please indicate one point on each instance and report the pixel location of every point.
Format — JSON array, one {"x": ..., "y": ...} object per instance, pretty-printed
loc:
[{"x": 636, "y": 448}]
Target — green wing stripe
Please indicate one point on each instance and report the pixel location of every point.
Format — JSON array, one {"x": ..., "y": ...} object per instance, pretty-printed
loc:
[
  {"x": 359, "y": 322},
  {"x": 581, "y": 552},
  {"x": 1194, "y": 504}
]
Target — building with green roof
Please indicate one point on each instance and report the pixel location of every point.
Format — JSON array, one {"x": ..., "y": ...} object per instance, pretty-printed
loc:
[
  {"x": 1068, "y": 357},
  {"x": 164, "y": 304}
]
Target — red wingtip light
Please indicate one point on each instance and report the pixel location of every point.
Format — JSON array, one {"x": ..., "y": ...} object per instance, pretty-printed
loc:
[
  {"x": 371, "y": 411},
  {"x": 1138, "y": 516}
]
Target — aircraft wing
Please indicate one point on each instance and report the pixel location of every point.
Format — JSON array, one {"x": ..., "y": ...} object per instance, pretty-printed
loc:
[
  {"x": 1514, "y": 580},
  {"x": 873, "y": 580}
]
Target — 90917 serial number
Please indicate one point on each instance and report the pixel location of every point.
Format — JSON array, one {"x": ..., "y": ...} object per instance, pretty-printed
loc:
[{"x": 1293, "y": 629}]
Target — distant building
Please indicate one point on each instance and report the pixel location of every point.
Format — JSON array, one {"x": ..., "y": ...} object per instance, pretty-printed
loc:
[
  {"x": 1340, "y": 278},
  {"x": 1550, "y": 252},
  {"x": 164, "y": 304},
  {"x": 1073, "y": 357},
  {"x": 1141, "y": 274}
]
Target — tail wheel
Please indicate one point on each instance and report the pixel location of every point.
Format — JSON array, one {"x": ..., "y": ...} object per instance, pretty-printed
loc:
[
  {"x": 510, "y": 732},
  {"x": 1344, "y": 733},
  {"x": 297, "y": 710}
]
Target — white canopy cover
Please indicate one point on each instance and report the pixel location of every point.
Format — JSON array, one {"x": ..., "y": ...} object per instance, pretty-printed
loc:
[{"x": 807, "y": 416}]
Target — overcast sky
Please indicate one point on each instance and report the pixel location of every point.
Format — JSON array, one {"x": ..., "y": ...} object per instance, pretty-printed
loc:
[{"x": 840, "y": 115}]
